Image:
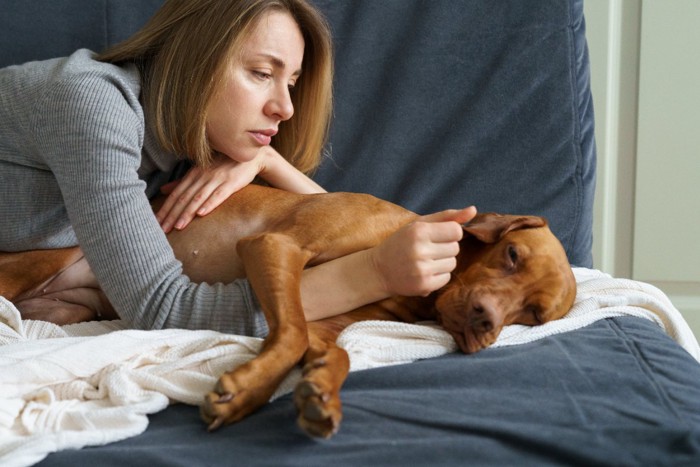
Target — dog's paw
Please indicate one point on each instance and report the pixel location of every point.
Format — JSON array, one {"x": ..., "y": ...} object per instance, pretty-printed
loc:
[
  {"x": 229, "y": 402},
  {"x": 318, "y": 407}
]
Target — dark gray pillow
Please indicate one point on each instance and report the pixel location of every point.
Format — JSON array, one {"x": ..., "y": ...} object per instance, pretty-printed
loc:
[{"x": 442, "y": 104}]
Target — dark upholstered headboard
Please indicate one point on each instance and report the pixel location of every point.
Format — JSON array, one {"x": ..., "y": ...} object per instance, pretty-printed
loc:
[{"x": 434, "y": 107}]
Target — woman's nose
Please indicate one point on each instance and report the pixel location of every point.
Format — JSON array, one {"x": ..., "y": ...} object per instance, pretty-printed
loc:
[{"x": 280, "y": 105}]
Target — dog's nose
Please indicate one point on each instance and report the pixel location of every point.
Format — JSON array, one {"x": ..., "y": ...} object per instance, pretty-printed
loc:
[{"x": 485, "y": 315}]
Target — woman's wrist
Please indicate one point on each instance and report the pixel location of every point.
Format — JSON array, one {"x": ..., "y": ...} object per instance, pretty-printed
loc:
[{"x": 279, "y": 173}]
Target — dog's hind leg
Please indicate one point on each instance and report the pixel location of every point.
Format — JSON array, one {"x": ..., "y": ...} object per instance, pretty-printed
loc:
[{"x": 273, "y": 264}]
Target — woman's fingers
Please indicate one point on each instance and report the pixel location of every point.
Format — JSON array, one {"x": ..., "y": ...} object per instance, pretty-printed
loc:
[
  {"x": 201, "y": 191},
  {"x": 419, "y": 257},
  {"x": 183, "y": 197},
  {"x": 460, "y": 216}
]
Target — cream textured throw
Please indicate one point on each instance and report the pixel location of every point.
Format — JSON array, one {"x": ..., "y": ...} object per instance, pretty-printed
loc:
[{"x": 95, "y": 383}]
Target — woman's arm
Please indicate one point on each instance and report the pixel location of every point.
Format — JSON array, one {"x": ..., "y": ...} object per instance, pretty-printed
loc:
[
  {"x": 415, "y": 260},
  {"x": 201, "y": 191}
]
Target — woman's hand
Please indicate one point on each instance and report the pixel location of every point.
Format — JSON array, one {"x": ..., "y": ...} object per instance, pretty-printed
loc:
[
  {"x": 420, "y": 257},
  {"x": 201, "y": 191}
]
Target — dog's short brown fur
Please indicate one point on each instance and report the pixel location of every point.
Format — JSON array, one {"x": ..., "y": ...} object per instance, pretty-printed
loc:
[{"x": 510, "y": 269}]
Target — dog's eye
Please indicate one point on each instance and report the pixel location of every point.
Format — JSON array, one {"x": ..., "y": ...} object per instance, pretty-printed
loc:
[{"x": 512, "y": 256}]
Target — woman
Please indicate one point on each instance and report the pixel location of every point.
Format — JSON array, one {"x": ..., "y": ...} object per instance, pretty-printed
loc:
[{"x": 226, "y": 86}]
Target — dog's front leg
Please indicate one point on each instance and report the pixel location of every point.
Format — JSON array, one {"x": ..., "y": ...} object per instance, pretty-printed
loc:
[
  {"x": 317, "y": 396},
  {"x": 273, "y": 264}
]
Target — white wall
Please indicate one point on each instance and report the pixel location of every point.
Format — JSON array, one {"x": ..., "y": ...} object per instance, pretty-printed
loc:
[{"x": 645, "y": 60}]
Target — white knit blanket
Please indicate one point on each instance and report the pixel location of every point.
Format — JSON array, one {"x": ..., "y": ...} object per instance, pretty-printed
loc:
[{"x": 95, "y": 383}]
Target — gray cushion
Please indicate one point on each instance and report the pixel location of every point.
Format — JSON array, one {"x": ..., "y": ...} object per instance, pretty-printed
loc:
[{"x": 40, "y": 29}]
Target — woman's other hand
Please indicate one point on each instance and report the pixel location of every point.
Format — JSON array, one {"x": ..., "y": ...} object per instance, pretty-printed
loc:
[{"x": 201, "y": 191}]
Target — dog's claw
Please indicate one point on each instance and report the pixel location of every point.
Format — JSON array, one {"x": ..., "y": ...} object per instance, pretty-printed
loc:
[
  {"x": 216, "y": 424},
  {"x": 306, "y": 389},
  {"x": 224, "y": 398}
]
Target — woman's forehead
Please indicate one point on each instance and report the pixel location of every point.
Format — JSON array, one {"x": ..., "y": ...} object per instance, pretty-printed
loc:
[{"x": 276, "y": 38}]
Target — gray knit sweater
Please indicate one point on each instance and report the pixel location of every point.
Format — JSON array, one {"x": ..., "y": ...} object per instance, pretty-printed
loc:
[{"x": 77, "y": 166}]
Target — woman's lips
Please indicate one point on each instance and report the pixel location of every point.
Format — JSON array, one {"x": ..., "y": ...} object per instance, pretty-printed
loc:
[{"x": 263, "y": 137}]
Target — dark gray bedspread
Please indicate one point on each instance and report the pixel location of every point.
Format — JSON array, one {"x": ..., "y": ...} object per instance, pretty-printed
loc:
[{"x": 618, "y": 392}]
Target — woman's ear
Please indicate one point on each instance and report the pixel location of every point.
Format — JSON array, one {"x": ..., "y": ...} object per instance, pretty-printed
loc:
[{"x": 490, "y": 227}]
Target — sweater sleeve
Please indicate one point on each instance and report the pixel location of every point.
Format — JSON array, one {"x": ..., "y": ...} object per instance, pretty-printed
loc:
[{"x": 90, "y": 130}]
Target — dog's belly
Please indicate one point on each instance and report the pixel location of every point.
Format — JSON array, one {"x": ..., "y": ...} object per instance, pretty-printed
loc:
[
  {"x": 208, "y": 254},
  {"x": 207, "y": 246}
]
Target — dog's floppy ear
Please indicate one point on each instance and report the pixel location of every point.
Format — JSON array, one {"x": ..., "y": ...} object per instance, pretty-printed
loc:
[{"x": 490, "y": 227}]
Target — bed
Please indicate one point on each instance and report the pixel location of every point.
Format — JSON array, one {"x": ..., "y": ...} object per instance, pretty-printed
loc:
[{"x": 438, "y": 104}]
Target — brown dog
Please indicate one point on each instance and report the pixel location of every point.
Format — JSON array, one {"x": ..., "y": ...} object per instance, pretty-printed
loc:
[{"x": 510, "y": 269}]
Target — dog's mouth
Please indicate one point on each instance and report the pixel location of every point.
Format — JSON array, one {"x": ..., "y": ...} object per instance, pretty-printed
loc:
[
  {"x": 472, "y": 327},
  {"x": 470, "y": 341}
]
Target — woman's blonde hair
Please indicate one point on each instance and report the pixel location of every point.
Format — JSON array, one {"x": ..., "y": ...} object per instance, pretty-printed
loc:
[{"x": 183, "y": 53}]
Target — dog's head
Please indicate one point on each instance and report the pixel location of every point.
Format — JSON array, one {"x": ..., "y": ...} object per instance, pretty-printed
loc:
[{"x": 511, "y": 270}]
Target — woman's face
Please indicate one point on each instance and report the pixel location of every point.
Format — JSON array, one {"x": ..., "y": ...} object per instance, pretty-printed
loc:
[{"x": 255, "y": 97}]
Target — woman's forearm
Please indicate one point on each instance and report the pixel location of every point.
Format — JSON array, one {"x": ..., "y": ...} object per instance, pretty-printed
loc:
[
  {"x": 341, "y": 285},
  {"x": 413, "y": 261}
]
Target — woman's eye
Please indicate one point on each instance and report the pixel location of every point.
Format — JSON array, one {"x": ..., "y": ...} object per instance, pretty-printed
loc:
[{"x": 262, "y": 75}]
